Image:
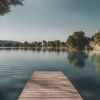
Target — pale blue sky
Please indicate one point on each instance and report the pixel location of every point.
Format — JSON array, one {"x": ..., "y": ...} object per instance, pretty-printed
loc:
[{"x": 50, "y": 19}]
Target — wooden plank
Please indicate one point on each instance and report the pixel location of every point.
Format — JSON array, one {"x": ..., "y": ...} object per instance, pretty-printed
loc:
[
  {"x": 49, "y": 85},
  {"x": 50, "y": 98}
]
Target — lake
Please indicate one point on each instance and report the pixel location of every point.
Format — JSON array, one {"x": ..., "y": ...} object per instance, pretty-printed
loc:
[{"x": 16, "y": 66}]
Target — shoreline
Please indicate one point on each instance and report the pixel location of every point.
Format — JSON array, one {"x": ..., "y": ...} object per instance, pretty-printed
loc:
[{"x": 47, "y": 49}]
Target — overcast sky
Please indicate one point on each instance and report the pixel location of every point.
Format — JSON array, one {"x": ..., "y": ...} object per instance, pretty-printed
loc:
[{"x": 50, "y": 19}]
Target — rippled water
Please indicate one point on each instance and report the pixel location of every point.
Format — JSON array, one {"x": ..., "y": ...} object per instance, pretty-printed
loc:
[{"x": 82, "y": 68}]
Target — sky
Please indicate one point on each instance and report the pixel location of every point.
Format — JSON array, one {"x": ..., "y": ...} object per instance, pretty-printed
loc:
[{"x": 50, "y": 20}]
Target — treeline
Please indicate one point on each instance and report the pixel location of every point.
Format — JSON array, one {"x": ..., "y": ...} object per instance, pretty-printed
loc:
[
  {"x": 52, "y": 44},
  {"x": 76, "y": 41},
  {"x": 79, "y": 41}
]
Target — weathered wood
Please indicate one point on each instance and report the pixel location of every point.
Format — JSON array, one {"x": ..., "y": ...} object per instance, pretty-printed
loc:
[{"x": 49, "y": 85}]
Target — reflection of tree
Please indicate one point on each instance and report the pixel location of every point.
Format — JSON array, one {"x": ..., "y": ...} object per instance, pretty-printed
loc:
[
  {"x": 96, "y": 59},
  {"x": 77, "y": 58},
  {"x": 5, "y": 5}
]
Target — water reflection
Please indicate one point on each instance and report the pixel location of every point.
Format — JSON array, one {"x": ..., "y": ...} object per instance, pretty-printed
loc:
[
  {"x": 17, "y": 65},
  {"x": 96, "y": 59},
  {"x": 2, "y": 95},
  {"x": 77, "y": 58},
  {"x": 57, "y": 49}
]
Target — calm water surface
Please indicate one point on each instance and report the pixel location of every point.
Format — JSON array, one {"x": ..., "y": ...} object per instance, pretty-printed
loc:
[{"x": 82, "y": 68}]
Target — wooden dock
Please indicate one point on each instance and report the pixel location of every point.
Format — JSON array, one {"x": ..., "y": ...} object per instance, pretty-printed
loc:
[{"x": 49, "y": 85}]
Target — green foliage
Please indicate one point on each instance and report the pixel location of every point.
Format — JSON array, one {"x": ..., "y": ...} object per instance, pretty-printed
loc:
[
  {"x": 77, "y": 41},
  {"x": 96, "y": 38},
  {"x": 5, "y": 5}
]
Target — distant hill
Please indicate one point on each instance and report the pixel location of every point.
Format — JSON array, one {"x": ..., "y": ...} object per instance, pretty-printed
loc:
[{"x": 5, "y": 43}]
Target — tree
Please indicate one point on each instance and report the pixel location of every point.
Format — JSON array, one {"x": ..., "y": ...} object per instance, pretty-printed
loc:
[
  {"x": 51, "y": 44},
  {"x": 5, "y": 5},
  {"x": 57, "y": 43},
  {"x": 96, "y": 38},
  {"x": 77, "y": 41},
  {"x": 44, "y": 43},
  {"x": 25, "y": 44},
  {"x": 63, "y": 44},
  {"x": 39, "y": 44}
]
